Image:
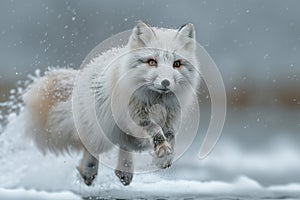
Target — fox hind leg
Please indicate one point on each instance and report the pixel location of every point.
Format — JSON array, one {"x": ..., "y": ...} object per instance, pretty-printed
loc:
[
  {"x": 88, "y": 168},
  {"x": 124, "y": 169}
]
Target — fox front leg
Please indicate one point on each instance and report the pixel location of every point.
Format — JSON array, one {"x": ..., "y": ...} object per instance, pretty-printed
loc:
[
  {"x": 124, "y": 170},
  {"x": 161, "y": 146},
  {"x": 169, "y": 134},
  {"x": 168, "y": 159},
  {"x": 88, "y": 168},
  {"x": 171, "y": 123}
]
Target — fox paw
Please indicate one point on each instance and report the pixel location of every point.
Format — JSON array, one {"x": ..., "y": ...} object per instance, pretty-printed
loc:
[
  {"x": 125, "y": 177},
  {"x": 163, "y": 149},
  {"x": 164, "y": 162},
  {"x": 164, "y": 155},
  {"x": 87, "y": 176}
]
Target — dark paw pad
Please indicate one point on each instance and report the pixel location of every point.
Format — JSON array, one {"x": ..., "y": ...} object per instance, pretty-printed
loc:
[
  {"x": 125, "y": 177},
  {"x": 88, "y": 178}
]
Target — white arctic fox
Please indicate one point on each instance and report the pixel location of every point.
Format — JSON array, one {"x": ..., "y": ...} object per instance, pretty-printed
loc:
[{"x": 161, "y": 66}]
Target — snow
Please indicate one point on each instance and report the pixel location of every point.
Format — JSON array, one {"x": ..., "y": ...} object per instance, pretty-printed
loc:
[
  {"x": 27, "y": 174},
  {"x": 292, "y": 187},
  {"x": 10, "y": 194}
]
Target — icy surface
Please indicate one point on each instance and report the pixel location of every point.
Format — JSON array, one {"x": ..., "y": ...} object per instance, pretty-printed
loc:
[
  {"x": 10, "y": 194},
  {"x": 26, "y": 173}
]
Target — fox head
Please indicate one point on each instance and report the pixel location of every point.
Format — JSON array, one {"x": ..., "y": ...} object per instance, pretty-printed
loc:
[{"x": 162, "y": 60}]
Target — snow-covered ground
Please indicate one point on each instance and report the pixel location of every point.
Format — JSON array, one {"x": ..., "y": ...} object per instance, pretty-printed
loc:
[{"x": 27, "y": 174}]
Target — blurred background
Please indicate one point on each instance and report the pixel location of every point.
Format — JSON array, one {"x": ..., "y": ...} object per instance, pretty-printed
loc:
[{"x": 255, "y": 44}]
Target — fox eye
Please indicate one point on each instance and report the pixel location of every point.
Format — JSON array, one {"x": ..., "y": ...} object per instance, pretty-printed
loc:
[
  {"x": 152, "y": 62},
  {"x": 177, "y": 64}
]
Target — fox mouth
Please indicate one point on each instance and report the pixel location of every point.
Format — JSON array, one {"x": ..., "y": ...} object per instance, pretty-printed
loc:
[{"x": 160, "y": 90}]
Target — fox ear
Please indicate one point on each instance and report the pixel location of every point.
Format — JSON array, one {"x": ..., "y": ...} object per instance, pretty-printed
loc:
[
  {"x": 141, "y": 35},
  {"x": 186, "y": 34},
  {"x": 187, "y": 30}
]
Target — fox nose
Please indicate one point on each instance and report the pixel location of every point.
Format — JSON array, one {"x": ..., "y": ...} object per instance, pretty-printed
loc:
[{"x": 165, "y": 83}]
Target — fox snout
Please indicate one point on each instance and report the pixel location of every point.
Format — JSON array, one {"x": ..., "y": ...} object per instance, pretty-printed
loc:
[
  {"x": 165, "y": 83},
  {"x": 164, "y": 80}
]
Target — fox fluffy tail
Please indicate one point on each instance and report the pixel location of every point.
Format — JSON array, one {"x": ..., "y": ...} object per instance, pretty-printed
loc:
[{"x": 49, "y": 119}]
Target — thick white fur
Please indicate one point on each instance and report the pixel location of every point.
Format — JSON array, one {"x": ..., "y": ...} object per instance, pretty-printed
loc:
[
  {"x": 50, "y": 120},
  {"x": 48, "y": 110}
]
